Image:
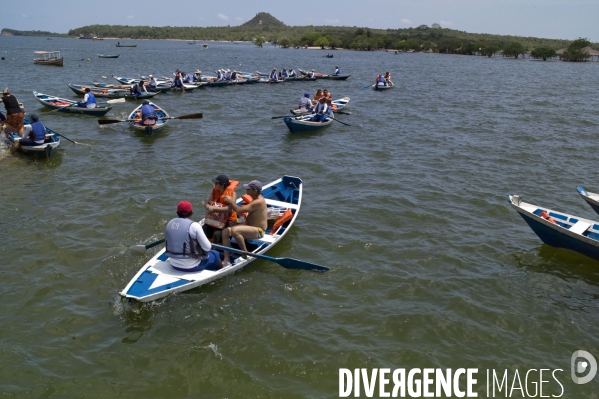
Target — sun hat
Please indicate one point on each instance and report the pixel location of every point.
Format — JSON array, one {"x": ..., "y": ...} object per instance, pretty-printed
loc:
[
  {"x": 254, "y": 185},
  {"x": 198, "y": 71},
  {"x": 5, "y": 91},
  {"x": 184, "y": 208}
]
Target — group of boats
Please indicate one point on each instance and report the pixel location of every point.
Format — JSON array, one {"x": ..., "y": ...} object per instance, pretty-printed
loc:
[{"x": 561, "y": 229}]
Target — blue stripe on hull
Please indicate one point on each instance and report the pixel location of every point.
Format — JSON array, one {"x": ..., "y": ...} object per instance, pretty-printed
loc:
[
  {"x": 556, "y": 238},
  {"x": 141, "y": 287}
]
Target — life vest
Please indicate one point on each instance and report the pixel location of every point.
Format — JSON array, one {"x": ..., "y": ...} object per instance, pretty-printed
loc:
[
  {"x": 91, "y": 99},
  {"x": 148, "y": 111},
  {"x": 219, "y": 198},
  {"x": 38, "y": 131},
  {"x": 179, "y": 244},
  {"x": 286, "y": 216},
  {"x": 546, "y": 216},
  {"x": 246, "y": 199},
  {"x": 304, "y": 102}
]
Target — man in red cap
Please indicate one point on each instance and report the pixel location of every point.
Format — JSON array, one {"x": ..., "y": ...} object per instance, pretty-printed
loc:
[{"x": 187, "y": 247}]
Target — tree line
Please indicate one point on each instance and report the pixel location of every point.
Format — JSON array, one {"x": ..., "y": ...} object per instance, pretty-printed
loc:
[{"x": 422, "y": 38}]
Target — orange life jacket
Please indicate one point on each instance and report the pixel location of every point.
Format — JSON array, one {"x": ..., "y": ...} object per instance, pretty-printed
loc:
[
  {"x": 286, "y": 216},
  {"x": 546, "y": 216},
  {"x": 220, "y": 198},
  {"x": 246, "y": 199}
]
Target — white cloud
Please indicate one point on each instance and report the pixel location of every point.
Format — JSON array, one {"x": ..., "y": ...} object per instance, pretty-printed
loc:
[
  {"x": 445, "y": 23},
  {"x": 223, "y": 17},
  {"x": 130, "y": 16},
  {"x": 405, "y": 22},
  {"x": 333, "y": 21}
]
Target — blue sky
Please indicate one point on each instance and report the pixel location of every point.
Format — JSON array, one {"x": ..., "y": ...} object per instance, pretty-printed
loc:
[{"x": 555, "y": 19}]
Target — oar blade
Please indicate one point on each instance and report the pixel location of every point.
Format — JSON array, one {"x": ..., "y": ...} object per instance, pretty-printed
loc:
[
  {"x": 138, "y": 248},
  {"x": 190, "y": 116},
  {"x": 289, "y": 263},
  {"x": 115, "y": 101},
  {"x": 109, "y": 121}
]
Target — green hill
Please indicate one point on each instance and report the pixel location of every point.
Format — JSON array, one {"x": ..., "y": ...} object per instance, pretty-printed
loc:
[{"x": 263, "y": 19}]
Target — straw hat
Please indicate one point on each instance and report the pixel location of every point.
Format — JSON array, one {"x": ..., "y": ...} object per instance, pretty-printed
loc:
[
  {"x": 5, "y": 91},
  {"x": 198, "y": 71}
]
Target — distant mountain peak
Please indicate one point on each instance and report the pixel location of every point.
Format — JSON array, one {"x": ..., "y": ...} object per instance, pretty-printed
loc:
[{"x": 263, "y": 19}]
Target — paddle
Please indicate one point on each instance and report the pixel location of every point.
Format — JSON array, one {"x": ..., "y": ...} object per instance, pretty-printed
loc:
[
  {"x": 72, "y": 141},
  {"x": 346, "y": 124},
  {"x": 144, "y": 248},
  {"x": 287, "y": 263},
  {"x": 342, "y": 112},
  {"x": 365, "y": 87},
  {"x": 189, "y": 116}
]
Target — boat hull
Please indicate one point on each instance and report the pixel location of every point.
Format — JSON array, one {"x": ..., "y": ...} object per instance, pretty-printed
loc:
[
  {"x": 60, "y": 104},
  {"x": 590, "y": 198},
  {"x": 157, "y": 279},
  {"x": 300, "y": 124},
  {"x": 337, "y": 77},
  {"x": 568, "y": 231},
  {"x": 56, "y": 62}
]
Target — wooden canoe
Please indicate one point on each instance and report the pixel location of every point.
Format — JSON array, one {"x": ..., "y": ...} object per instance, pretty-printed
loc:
[
  {"x": 136, "y": 124},
  {"x": 300, "y": 124},
  {"x": 43, "y": 150},
  {"x": 157, "y": 278},
  {"x": 69, "y": 106}
]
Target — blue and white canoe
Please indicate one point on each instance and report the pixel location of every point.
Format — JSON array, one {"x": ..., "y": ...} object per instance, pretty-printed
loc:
[
  {"x": 591, "y": 198},
  {"x": 377, "y": 87},
  {"x": 70, "y": 106},
  {"x": 559, "y": 229},
  {"x": 135, "y": 122},
  {"x": 42, "y": 150},
  {"x": 299, "y": 124},
  {"x": 157, "y": 278}
]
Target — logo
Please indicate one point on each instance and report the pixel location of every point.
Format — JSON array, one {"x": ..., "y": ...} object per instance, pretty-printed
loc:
[{"x": 582, "y": 362}]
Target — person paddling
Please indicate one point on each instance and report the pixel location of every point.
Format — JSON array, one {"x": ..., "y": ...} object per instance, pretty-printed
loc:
[
  {"x": 148, "y": 114},
  {"x": 305, "y": 104},
  {"x": 34, "y": 134},
  {"x": 89, "y": 100}
]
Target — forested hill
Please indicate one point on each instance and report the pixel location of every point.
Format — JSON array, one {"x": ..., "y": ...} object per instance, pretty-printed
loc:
[{"x": 421, "y": 38}]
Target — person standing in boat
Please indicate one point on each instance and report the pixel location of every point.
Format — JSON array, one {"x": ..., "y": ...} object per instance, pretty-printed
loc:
[
  {"x": 320, "y": 111},
  {"x": 89, "y": 100},
  {"x": 255, "y": 222},
  {"x": 152, "y": 83},
  {"x": 305, "y": 104},
  {"x": 223, "y": 187},
  {"x": 186, "y": 244},
  {"x": 139, "y": 89},
  {"x": 14, "y": 113},
  {"x": 34, "y": 134},
  {"x": 337, "y": 71}
]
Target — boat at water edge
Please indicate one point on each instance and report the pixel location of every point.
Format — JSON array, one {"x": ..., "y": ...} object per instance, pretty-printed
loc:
[
  {"x": 157, "y": 278},
  {"x": 559, "y": 229}
]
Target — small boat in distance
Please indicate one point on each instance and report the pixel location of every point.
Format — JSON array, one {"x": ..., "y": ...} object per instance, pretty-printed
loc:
[
  {"x": 205, "y": 45},
  {"x": 48, "y": 58},
  {"x": 108, "y": 56},
  {"x": 118, "y": 44},
  {"x": 193, "y": 42}
]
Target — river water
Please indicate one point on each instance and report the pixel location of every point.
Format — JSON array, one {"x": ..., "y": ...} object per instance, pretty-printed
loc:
[{"x": 429, "y": 266}]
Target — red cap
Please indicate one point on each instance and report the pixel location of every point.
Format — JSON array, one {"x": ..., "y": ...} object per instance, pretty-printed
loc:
[{"x": 184, "y": 207}]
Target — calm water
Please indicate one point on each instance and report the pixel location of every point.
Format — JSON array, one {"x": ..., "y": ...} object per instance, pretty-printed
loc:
[{"x": 429, "y": 265}]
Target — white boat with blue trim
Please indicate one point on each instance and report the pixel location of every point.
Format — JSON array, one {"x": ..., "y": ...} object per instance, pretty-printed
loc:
[
  {"x": 559, "y": 229},
  {"x": 158, "y": 279}
]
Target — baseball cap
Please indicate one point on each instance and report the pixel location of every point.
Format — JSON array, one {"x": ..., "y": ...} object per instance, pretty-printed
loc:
[
  {"x": 254, "y": 185},
  {"x": 184, "y": 208},
  {"x": 306, "y": 94},
  {"x": 222, "y": 179}
]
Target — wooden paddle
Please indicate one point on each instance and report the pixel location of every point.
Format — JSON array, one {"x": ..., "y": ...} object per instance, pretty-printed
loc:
[
  {"x": 144, "y": 248},
  {"x": 287, "y": 263},
  {"x": 189, "y": 116},
  {"x": 72, "y": 141},
  {"x": 346, "y": 124}
]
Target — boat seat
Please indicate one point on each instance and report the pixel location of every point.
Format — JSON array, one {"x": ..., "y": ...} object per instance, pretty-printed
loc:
[
  {"x": 580, "y": 227},
  {"x": 281, "y": 204},
  {"x": 267, "y": 239}
]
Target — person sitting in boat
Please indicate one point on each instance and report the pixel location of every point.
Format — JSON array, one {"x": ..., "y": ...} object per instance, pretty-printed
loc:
[
  {"x": 228, "y": 75},
  {"x": 317, "y": 96},
  {"x": 380, "y": 81},
  {"x": 320, "y": 111},
  {"x": 255, "y": 222},
  {"x": 152, "y": 82},
  {"x": 305, "y": 104},
  {"x": 186, "y": 77},
  {"x": 292, "y": 73},
  {"x": 273, "y": 76},
  {"x": 388, "y": 79},
  {"x": 33, "y": 134},
  {"x": 233, "y": 76},
  {"x": 337, "y": 71},
  {"x": 187, "y": 246},
  {"x": 89, "y": 100},
  {"x": 197, "y": 76},
  {"x": 285, "y": 74},
  {"x": 177, "y": 82},
  {"x": 311, "y": 74},
  {"x": 138, "y": 89},
  {"x": 14, "y": 113},
  {"x": 216, "y": 203},
  {"x": 148, "y": 114}
]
